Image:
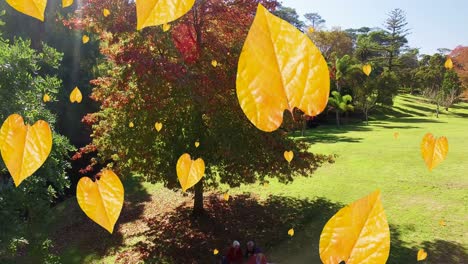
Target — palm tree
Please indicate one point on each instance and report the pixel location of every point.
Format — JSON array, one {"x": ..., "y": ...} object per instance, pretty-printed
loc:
[
  {"x": 341, "y": 104},
  {"x": 344, "y": 67}
]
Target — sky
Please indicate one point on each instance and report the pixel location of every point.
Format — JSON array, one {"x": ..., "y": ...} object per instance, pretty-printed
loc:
[{"x": 433, "y": 24}]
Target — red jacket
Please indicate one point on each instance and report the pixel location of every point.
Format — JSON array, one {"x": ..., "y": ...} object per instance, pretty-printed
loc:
[
  {"x": 260, "y": 257},
  {"x": 234, "y": 256}
]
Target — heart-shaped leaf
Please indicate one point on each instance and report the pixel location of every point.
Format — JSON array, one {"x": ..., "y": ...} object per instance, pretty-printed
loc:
[
  {"x": 197, "y": 144},
  {"x": 46, "y": 98},
  {"x": 279, "y": 68},
  {"x": 24, "y": 148},
  {"x": 159, "y": 12},
  {"x": 433, "y": 150},
  {"x": 101, "y": 200},
  {"x": 166, "y": 27},
  {"x": 291, "y": 232},
  {"x": 158, "y": 126},
  {"x": 358, "y": 233},
  {"x": 226, "y": 197},
  {"x": 367, "y": 69},
  {"x": 67, "y": 3},
  {"x": 189, "y": 171},
  {"x": 130, "y": 124},
  {"x": 448, "y": 64},
  {"x": 85, "y": 39},
  {"x": 288, "y": 155},
  {"x": 105, "y": 12},
  {"x": 33, "y": 8},
  {"x": 75, "y": 96},
  {"x": 214, "y": 63},
  {"x": 422, "y": 255}
]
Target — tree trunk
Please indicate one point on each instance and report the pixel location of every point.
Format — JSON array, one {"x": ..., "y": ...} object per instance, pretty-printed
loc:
[
  {"x": 366, "y": 113},
  {"x": 198, "y": 209},
  {"x": 437, "y": 110},
  {"x": 304, "y": 124},
  {"x": 337, "y": 118}
]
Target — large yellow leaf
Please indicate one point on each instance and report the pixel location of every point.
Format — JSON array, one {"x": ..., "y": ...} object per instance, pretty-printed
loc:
[
  {"x": 24, "y": 148},
  {"x": 279, "y": 68},
  {"x": 67, "y": 3},
  {"x": 76, "y": 96},
  {"x": 159, "y": 12},
  {"x": 101, "y": 200},
  {"x": 357, "y": 234},
  {"x": 34, "y": 8},
  {"x": 189, "y": 171},
  {"x": 433, "y": 150}
]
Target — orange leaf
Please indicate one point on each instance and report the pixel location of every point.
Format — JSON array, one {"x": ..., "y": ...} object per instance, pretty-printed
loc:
[
  {"x": 101, "y": 200},
  {"x": 367, "y": 69},
  {"x": 356, "y": 233},
  {"x": 434, "y": 151},
  {"x": 396, "y": 135},
  {"x": 279, "y": 68},
  {"x": 24, "y": 148},
  {"x": 75, "y": 96},
  {"x": 422, "y": 255},
  {"x": 288, "y": 155},
  {"x": 189, "y": 172}
]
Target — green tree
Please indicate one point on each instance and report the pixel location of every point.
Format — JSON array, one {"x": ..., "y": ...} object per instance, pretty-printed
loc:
[
  {"x": 451, "y": 88},
  {"x": 341, "y": 104},
  {"x": 315, "y": 20},
  {"x": 397, "y": 31},
  {"x": 24, "y": 214}
]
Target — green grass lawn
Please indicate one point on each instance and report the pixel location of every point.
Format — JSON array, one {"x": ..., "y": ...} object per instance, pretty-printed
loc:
[{"x": 368, "y": 158}]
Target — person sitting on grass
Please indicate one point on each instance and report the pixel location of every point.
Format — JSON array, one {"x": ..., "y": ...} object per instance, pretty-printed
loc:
[{"x": 234, "y": 255}]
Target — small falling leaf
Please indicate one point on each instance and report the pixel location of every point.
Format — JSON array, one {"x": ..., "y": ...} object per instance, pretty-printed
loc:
[
  {"x": 215, "y": 252},
  {"x": 166, "y": 27},
  {"x": 226, "y": 197},
  {"x": 46, "y": 98},
  {"x": 311, "y": 30},
  {"x": 367, "y": 69},
  {"x": 448, "y": 64},
  {"x": 67, "y": 3},
  {"x": 288, "y": 155},
  {"x": 24, "y": 148},
  {"x": 279, "y": 69},
  {"x": 105, "y": 12},
  {"x": 158, "y": 126},
  {"x": 422, "y": 255},
  {"x": 85, "y": 39},
  {"x": 291, "y": 232},
  {"x": 76, "y": 96},
  {"x": 356, "y": 233},
  {"x": 101, "y": 200},
  {"x": 442, "y": 223},
  {"x": 33, "y": 8},
  {"x": 433, "y": 150},
  {"x": 214, "y": 63},
  {"x": 131, "y": 124},
  {"x": 197, "y": 144},
  {"x": 396, "y": 135},
  {"x": 189, "y": 171},
  {"x": 159, "y": 12}
]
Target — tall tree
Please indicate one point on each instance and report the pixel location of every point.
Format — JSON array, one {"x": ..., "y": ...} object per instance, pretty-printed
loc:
[
  {"x": 333, "y": 43},
  {"x": 396, "y": 27},
  {"x": 315, "y": 20},
  {"x": 341, "y": 104},
  {"x": 154, "y": 76}
]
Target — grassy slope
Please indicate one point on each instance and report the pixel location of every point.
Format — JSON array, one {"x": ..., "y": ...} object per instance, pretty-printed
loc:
[{"x": 369, "y": 158}]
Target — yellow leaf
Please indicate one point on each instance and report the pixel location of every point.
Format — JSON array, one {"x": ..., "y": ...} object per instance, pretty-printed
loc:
[
  {"x": 288, "y": 155},
  {"x": 279, "y": 68},
  {"x": 33, "y": 8},
  {"x": 448, "y": 64},
  {"x": 158, "y": 126},
  {"x": 422, "y": 254},
  {"x": 214, "y": 63},
  {"x": 396, "y": 135},
  {"x": 46, "y": 98},
  {"x": 166, "y": 27},
  {"x": 75, "y": 96},
  {"x": 85, "y": 39},
  {"x": 311, "y": 30},
  {"x": 101, "y": 200},
  {"x": 356, "y": 233},
  {"x": 159, "y": 12},
  {"x": 189, "y": 172},
  {"x": 24, "y": 148},
  {"x": 67, "y": 3},
  {"x": 433, "y": 150},
  {"x": 131, "y": 124},
  {"x": 215, "y": 251},
  {"x": 226, "y": 197},
  {"x": 367, "y": 69},
  {"x": 197, "y": 144},
  {"x": 105, "y": 12},
  {"x": 442, "y": 223},
  {"x": 291, "y": 232}
]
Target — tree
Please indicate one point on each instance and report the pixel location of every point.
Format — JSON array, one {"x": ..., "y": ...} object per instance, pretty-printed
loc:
[
  {"x": 333, "y": 43},
  {"x": 396, "y": 27},
  {"x": 151, "y": 76},
  {"x": 430, "y": 76},
  {"x": 289, "y": 14},
  {"x": 315, "y": 20},
  {"x": 460, "y": 60},
  {"x": 25, "y": 209},
  {"x": 341, "y": 104},
  {"x": 451, "y": 88}
]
